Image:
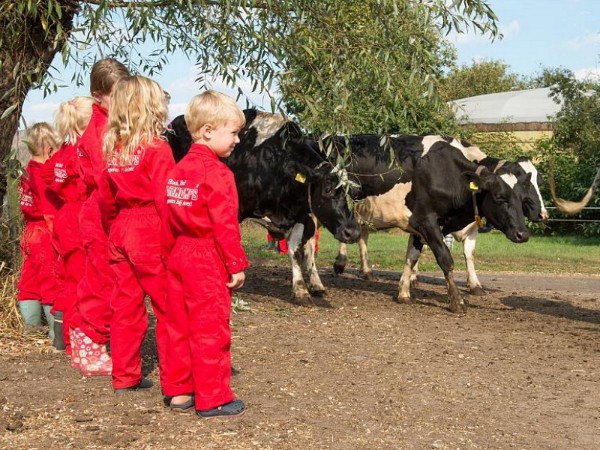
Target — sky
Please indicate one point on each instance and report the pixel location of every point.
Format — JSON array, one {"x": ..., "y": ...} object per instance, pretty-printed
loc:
[{"x": 537, "y": 34}]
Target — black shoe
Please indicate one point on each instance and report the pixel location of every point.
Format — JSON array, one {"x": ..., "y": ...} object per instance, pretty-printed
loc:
[
  {"x": 145, "y": 383},
  {"x": 58, "y": 342},
  {"x": 234, "y": 408}
]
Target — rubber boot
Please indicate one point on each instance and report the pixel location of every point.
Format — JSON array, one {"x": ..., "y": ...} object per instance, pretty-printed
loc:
[
  {"x": 92, "y": 358},
  {"x": 49, "y": 321},
  {"x": 59, "y": 340},
  {"x": 31, "y": 312}
]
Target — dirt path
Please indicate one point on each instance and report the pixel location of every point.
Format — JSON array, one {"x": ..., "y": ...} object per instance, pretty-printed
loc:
[{"x": 359, "y": 371}]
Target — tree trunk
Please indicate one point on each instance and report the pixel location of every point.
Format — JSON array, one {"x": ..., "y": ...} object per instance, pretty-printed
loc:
[{"x": 26, "y": 52}]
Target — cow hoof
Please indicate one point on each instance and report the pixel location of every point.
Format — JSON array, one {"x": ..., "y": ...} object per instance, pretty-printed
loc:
[
  {"x": 403, "y": 300},
  {"x": 338, "y": 269},
  {"x": 477, "y": 290},
  {"x": 458, "y": 308},
  {"x": 368, "y": 276},
  {"x": 318, "y": 293}
]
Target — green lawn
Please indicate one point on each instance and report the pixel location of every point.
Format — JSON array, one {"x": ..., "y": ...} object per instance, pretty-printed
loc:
[{"x": 495, "y": 253}]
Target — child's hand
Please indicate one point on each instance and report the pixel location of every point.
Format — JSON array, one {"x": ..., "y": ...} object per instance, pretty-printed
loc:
[{"x": 236, "y": 281}]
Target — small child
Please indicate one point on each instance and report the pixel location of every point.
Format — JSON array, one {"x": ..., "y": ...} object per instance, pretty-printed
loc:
[
  {"x": 90, "y": 322},
  {"x": 206, "y": 261},
  {"x": 138, "y": 161},
  {"x": 62, "y": 179},
  {"x": 37, "y": 285}
]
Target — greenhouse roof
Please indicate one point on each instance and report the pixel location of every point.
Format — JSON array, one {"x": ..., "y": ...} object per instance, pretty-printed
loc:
[{"x": 531, "y": 105}]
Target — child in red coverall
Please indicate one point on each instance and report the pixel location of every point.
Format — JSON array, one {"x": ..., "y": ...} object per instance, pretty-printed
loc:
[
  {"x": 138, "y": 161},
  {"x": 206, "y": 261},
  {"x": 37, "y": 285},
  {"x": 90, "y": 322},
  {"x": 62, "y": 178}
]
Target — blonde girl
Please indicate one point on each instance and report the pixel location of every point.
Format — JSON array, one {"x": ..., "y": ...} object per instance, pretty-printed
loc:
[{"x": 138, "y": 160}]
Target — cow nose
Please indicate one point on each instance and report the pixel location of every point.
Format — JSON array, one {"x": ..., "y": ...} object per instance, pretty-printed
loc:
[
  {"x": 544, "y": 215},
  {"x": 523, "y": 236},
  {"x": 350, "y": 235}
]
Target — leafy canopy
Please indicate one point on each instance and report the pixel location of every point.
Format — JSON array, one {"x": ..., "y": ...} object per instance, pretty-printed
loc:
[{"x": 254, "y": 39}]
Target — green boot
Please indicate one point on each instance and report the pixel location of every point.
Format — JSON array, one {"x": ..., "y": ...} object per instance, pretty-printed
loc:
[
  {"x": 59, "y": 340},
  {"x": 31, "y": 311},
  {"x": 49, "y": 321}
]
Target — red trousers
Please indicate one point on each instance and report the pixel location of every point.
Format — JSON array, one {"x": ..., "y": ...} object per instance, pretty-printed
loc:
[
  {"x": 38, "y": 271},
  {"x": 283, "y": 248},
  {"x": 70, "y": 247},
  {"x": 135, "y": 258},
  {"x": 198, "y": 324},
  {"x": 92, "y": 313}
]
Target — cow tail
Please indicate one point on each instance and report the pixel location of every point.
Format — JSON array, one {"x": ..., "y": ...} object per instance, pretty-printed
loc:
[{"x": 565, "y": 206}]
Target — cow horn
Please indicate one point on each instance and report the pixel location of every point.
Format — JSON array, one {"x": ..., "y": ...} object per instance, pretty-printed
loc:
[{"x": 565, "y": 206}]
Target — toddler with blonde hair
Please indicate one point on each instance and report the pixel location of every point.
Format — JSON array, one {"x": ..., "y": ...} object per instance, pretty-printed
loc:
[
  {"x": 37, "y": 285},
  {"x": 138, "y": 160},
  {"x": 61, "y": 175},
  {"x": 206, "y": 261}
]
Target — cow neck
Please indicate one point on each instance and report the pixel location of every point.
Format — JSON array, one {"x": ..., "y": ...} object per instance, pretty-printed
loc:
[
  {"x": 478, "y": 220},
  {"x": 474, "y": 193},
  {"x": 321, "y": 164}
]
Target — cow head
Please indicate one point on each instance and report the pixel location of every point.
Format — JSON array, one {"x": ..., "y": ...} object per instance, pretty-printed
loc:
[
  {"x": 499, "y": 204},
  {"x": 536, "y": 180},
  {"x": 326, "y": 199}
]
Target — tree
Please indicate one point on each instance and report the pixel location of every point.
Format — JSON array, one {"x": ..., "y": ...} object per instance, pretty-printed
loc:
[
  {"x": 485, "y": 77},
  {"x": 227, "y": 38},
  {"x": 389, "y": 87}
]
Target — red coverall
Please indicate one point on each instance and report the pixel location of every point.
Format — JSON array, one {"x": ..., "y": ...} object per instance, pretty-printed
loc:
[
  {"x": 135, "y": 256},
  {"x": 92, "y": 313},
  {"x": 202, "y": 208},
  {"x": 38, "y": 277},
  {"x": 62, "y": 182}
]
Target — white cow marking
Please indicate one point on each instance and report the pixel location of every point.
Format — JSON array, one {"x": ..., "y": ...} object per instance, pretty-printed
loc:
[{"x": 266, "y": 125}]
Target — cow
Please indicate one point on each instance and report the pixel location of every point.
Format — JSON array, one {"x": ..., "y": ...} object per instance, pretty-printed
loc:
[
  {"x": 283, "y": 184},
  {"x": 381, "y": 213},
  {"x": 434, "y": 187}
]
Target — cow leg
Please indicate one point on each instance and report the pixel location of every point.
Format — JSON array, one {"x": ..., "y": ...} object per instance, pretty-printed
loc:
[
  {"x": 364, "y": 253},
  {"x": 435, "y": 239},
  {"x": 413, "y": 252},
  {"x": 470, "y": 240},
  {"x": 414, "y": 282},
  {"x": 315, "y": 285},
  {"x": 340, "y": 261},
  {"x": 300, "y": 292}
]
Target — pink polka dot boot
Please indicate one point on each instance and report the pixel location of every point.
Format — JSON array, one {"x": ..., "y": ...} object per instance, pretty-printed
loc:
[{"x": 91, "y": 358}]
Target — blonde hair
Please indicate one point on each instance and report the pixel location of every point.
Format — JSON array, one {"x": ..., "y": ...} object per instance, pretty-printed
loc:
[
  {"x": 105, "y": 74},
  {"x": 39, "y": 136},
  {"x": 137, "y": 115},
  {"x": 73, "y": 117},
  {"x": 211, "y": 107}
]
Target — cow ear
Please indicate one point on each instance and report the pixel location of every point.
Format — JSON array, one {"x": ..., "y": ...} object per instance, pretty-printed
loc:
[
  {"x": 473, "y": 180},
  {"x": 292, "y": 131},
  {"x": 300, "y": 173},
  {"x": 525, "y": 179}
]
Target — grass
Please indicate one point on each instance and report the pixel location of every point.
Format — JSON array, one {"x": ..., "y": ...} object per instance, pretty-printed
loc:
[{"x": 495, "y": 253}]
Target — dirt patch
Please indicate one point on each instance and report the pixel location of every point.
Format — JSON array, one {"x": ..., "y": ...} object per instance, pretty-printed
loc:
[{"x": 358, "y": 371}]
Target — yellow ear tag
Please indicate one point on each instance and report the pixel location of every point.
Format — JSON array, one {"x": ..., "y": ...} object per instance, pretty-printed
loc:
[
  {"x": 300, "y": 178},
  {"x": 473, "y": 186}
]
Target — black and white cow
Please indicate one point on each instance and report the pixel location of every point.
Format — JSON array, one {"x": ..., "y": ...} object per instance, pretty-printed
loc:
[
  {"x": 433, "y": 188},
  {"x": 380, "y": 212},
  {"x": 282, "y": 178}
]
